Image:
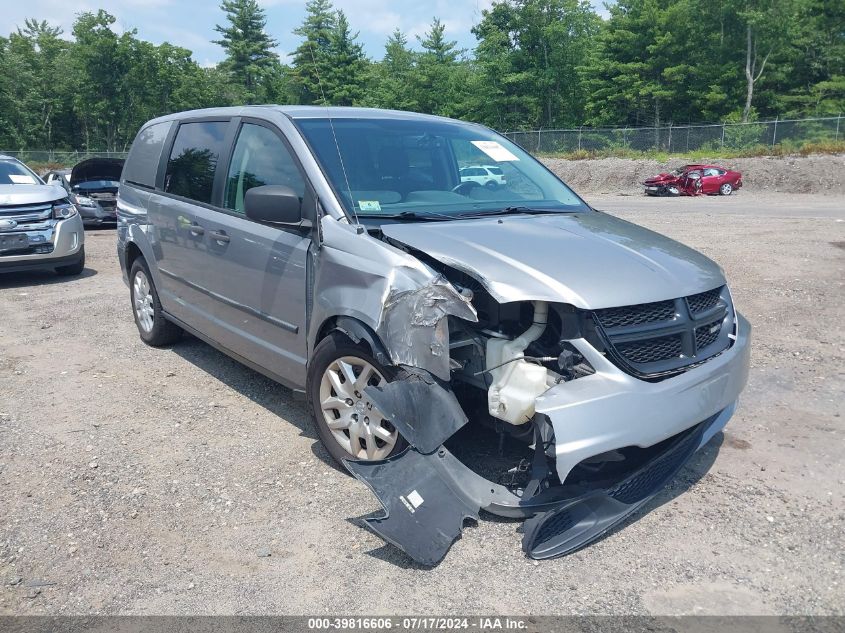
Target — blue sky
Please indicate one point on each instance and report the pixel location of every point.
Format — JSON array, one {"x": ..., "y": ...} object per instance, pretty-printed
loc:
[{"x": 190, "y": 23}]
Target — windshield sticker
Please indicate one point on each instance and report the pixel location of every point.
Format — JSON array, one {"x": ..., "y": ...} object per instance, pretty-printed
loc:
[
  {"x": 21, "y": 179},
  {"x": 369, "y": 205},
  {"x": 495, "y": 151}
]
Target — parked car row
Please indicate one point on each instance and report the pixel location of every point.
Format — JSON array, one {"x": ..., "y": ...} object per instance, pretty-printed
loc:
[{"x": 42, "y": 220}]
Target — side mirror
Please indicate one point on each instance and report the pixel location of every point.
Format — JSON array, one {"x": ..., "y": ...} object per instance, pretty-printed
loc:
[{"x": 274, "y": 204}]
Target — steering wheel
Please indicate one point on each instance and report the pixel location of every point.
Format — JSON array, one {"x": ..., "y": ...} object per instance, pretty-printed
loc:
[{"x": 464, "y": 187}]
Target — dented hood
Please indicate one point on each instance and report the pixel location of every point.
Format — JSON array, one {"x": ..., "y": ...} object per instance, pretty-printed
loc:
[{"x": 590, "y": 260}]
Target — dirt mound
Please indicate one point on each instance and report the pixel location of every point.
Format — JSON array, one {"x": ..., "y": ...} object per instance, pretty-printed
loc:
[{"x": 820, "y": 174}]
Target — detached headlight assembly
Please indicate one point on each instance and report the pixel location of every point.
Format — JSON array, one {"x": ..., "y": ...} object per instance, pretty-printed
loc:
[{"x": 63, "y": 210}]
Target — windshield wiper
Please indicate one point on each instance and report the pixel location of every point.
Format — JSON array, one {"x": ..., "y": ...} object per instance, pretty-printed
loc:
[
  {"x": 509, "y": 211},
  {"x": 405, "y": 215}
]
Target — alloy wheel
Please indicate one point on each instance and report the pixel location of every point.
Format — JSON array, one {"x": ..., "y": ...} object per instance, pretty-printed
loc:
[
  {"x": 142, "y": 299},
  {"x": 355, "y": 422}
]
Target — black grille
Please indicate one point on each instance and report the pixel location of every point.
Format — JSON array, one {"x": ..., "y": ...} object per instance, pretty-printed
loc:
[
  {"x": 643, "y": 483},
  {"x": 655, "y": 340},
  {"x": 707, "y": 334},
  {"x": 554, "y": 525},
  {"x": 637, "y": 314},
  {"x": 652, "y": 350},
  {"x": 704, "y": 300}
]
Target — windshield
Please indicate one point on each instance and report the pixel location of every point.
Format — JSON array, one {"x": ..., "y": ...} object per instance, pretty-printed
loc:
[
  {"x": 423, "y": 167},
  {"x": 14, "y": 173}
]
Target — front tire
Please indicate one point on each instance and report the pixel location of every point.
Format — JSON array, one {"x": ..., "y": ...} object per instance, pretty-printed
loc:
[
  {"x": 349, "y": 425},
  {"x": 726, "y": 189},
  {"x": 73, "y": 269},
  {"x": 153, "y": 327}
]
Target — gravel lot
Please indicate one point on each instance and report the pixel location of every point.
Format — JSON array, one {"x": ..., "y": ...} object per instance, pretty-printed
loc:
[{"x": 144, "y": 481}]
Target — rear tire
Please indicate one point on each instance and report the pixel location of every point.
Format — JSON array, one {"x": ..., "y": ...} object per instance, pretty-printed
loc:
[
  {"x": 726, "y": 189},
  {"x": 153, "y": 327},
  {"x": 356, "y": 427},
  {"x": 73, "y": 269}
]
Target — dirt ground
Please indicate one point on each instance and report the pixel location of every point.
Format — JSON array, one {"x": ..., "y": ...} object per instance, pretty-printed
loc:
[
  {"x": 175, "y": 481},
  {"x": 818, "y": 174}
]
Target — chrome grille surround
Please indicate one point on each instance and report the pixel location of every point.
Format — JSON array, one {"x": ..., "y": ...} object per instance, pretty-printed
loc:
[{"x": 36, "y": 221}]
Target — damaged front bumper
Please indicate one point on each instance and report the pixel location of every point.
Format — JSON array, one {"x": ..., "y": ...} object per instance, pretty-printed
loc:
[{"x": 427, "y": 493}]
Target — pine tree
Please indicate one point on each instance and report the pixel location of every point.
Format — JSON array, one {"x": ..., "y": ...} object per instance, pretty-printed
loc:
[
  {"x": 434, "y": 80},
  {"x": 311, "y": 60},
  {"x": 347, "y": 65},
  {"x": 250, "y": 58}
]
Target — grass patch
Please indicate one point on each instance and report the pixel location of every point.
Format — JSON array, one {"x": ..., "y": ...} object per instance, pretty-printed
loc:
[{"x": 785, "y": 149}]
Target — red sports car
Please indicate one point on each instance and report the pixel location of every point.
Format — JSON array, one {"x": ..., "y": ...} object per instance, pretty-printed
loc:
[{"x": 695, "y": 180}]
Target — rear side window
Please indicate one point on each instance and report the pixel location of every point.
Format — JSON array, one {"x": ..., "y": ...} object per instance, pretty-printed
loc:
[
  {"x": 496, "y": 171},
  {"x": 260, "y": 158},
  {"x": 193, "y": 159},
  {"x": 142, "y": 163}
]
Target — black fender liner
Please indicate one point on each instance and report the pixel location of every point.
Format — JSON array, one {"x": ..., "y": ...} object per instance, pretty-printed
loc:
[{"x": 357, "y": 331}]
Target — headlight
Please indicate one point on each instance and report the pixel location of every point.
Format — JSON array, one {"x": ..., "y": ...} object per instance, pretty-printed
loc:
[
  {"x": 63, "y": 210},
  {"x": 84, "y": 201}
]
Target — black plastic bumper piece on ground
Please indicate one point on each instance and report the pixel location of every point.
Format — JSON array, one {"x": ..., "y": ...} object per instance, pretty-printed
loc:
[
  {"x": 577, "y": 523},
  {"x": 423, "y": 515}
]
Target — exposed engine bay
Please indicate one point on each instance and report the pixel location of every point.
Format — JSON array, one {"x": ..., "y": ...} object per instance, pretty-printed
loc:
[{"x": 489, "y": 437}]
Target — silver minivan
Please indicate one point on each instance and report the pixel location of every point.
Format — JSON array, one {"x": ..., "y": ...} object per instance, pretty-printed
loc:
[{"x": 461, "y": 347}]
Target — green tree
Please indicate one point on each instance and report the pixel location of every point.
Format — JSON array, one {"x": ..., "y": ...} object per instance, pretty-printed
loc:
[
  {"x": 43, "y": 53},
  {"x": 433, "y": 83},
  {"x": 628, "y": 75},
  {"x": 329, "y": 66},
  {"x": 311, "y": 60},
  {"x": 99, "y": 61},
  {"x": 530, "y": 51},
  {"x": 250, "y": 59},
  {"x": 347, "y": 65},
  {"x": 389, "y": 79}
]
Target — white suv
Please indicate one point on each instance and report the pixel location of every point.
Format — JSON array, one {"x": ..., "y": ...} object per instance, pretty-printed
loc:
[{"x": 485, "y": 175}]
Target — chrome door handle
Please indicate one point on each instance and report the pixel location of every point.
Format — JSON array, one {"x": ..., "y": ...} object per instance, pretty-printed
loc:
[
  {"x": 196, "y": 229},
  {"x": 219, "y": 236}
]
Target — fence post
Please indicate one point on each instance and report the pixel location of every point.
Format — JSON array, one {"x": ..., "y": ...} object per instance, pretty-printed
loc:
[
  {"x": 538, "y": 139},
  {"x": 723, "y": 136},
  {"x": 775, "y": 132},
  {"x": 669, "y": 149},
  {"x": 839, "y": 118},
  {"x": 582, "y": 127}
]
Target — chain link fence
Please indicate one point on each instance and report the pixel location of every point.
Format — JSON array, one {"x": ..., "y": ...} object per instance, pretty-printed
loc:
[
  {"x": 60, "y": 158},
  {"x": 683, "y": 138},
  {"x": 676, "y": 139}
]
